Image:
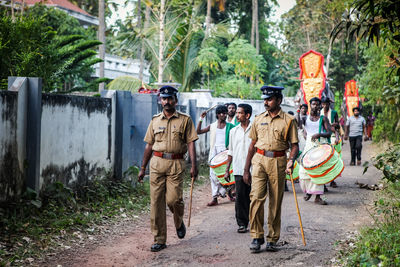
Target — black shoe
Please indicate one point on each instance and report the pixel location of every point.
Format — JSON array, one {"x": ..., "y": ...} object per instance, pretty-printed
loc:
[
  {"x": 157, "y": 247},
  {"x": 255, "y": 245},
  {"x": 242, "y": 229},
  {"x": 271, "y": 246},
  {"x": 181, "y": 231},
  {"x": 352, "y": 163},
  {"x": 325, "y": 189},
  {"x": 286, "y": 187},
  {"x": 307, "y": 197}
]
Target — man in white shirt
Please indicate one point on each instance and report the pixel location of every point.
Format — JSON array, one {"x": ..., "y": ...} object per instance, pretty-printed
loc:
[{"x": 239, "y": 143}]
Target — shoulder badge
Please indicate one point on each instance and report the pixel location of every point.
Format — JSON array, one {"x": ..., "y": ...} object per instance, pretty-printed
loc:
[
  {"x": 156, "y": 115},
  {"x": 260, "y": 114},
  {"x": 183, "y": 114}
]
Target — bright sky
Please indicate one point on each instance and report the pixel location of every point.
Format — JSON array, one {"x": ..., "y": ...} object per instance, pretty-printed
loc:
[
  {"x": 122, "y": 11},
  {"x": 284, "y": 6}
]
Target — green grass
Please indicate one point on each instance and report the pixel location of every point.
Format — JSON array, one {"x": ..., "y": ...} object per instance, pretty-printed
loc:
[
  {"x": 30, "y": 228},
  {"x": 379, "y": 245}
]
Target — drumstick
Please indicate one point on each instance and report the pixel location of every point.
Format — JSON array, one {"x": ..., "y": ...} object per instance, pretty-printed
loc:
[
  {"x": 211, "y": 108},
  {"x": 190, "y": 201},
  {"x": 297, "y": 207}
]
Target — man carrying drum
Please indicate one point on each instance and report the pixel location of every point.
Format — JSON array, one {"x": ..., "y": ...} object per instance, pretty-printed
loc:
[
  {"x": 272, "y": 133},
  {"x": 239, "y": 143},
  {"x": 219, "y": 140},
  {"x": 316, "y": 129},
  {"x": 169, "y": 135}
]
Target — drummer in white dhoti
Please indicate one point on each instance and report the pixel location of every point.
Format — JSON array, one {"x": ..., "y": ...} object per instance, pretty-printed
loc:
[
  {"x": 219, "y": 141},
  {"x": 333, "y": 118},
  {"x": 317, "y": 129}
]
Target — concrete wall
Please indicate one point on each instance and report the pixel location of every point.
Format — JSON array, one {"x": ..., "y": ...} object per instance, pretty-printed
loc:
[
  {"x": 76, "y": 138},
  {"x": 145, "y": 106},
  {"x": 71, "y": 139},
  {"x": 11, "y": 177}
]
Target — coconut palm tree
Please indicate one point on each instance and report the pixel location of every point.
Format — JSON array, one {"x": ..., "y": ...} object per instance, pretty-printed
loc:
[{"x": 102, "y": 39}]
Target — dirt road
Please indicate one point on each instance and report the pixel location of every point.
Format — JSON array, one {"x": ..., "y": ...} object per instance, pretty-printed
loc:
[{"x": 212, "y": 238}]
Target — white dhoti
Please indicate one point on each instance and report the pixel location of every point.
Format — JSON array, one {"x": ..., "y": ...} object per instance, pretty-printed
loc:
[
  {"x": 306, "y": 185},
  {"x": 216, "y": 187},
  {"x": 302, "y": 141}
]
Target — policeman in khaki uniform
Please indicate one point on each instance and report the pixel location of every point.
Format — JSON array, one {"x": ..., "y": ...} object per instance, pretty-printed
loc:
[
  {"x": 273, "y": 132},
  {"x": 169, "y": 136}
]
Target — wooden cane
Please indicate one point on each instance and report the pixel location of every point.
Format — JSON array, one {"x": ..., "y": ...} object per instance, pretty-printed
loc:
[
  {"x": 190, "y": 201},
  {"x": 297, "y": 207}
]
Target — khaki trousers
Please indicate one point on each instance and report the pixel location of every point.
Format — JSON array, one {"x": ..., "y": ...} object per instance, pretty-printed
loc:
[
  {"x": 166, "y": 188},
  {"x": 268, "y": 178}
]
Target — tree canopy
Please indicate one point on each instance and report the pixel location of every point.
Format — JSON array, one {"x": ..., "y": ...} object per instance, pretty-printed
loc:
[{"x": 47, "y": 43}]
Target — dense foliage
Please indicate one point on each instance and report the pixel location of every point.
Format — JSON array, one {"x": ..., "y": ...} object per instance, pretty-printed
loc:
[
  {"x": 47, "y": 43},
  {"x": 187, "y": 45},
  {"x": 380, "y": 86},
  {"x": 308, "y": 25},
  {"x": 379, "y": 245},
  {"x": 377, "y": 22}
]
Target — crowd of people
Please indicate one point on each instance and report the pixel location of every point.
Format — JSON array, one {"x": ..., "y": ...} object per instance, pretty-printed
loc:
[{"x": 260, "y": 153}]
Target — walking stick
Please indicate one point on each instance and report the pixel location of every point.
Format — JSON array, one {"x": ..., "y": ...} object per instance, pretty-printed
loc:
[
  {"x": 298, "y": 211},
  {"x": 190, "y": 201}
]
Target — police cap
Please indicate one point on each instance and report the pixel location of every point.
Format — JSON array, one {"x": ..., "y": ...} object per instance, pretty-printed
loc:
[
  {"x": 268, "y": 91},
  {"x": 167, "y": 91}
]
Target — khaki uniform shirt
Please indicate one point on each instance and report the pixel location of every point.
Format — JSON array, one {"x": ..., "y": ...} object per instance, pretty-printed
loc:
[
  {"x": 274, "y": 134},
  {"x": 171, "y": 135}
]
